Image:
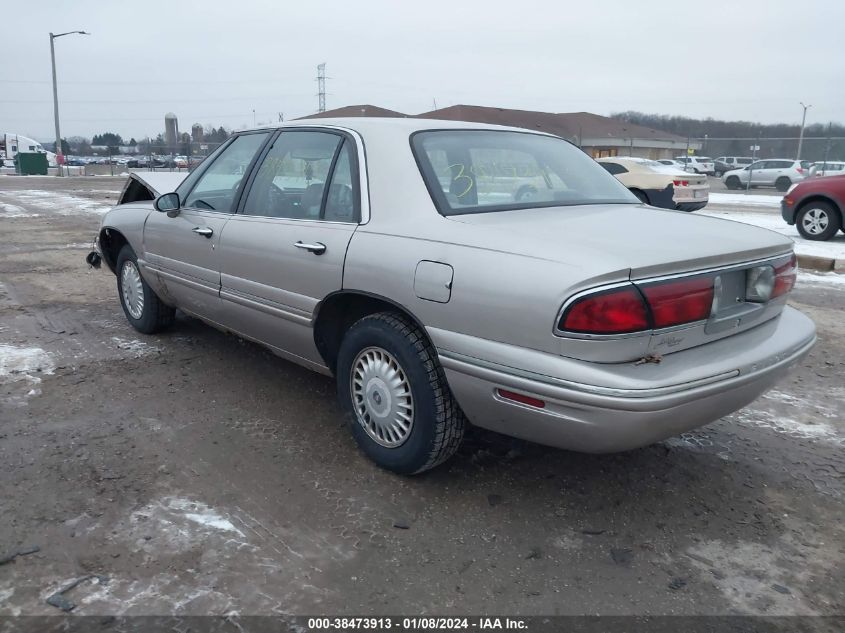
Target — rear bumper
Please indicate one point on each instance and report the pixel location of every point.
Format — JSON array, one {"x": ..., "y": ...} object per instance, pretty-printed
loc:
[
  {"x": 611, "y": 417},
  {"x": 691, "y": 206}
]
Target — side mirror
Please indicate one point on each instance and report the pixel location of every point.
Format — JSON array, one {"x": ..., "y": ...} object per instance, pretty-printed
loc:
[{"x": 168, "y": 203}]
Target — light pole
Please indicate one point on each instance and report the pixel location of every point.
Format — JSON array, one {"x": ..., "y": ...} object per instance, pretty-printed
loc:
[
  {"x": 56, "y": 96},
  {"x": 801, "y": 135}
]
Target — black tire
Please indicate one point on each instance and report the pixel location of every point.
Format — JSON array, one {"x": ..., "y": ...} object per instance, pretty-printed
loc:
[
  {"x": 640, "y": 195},
  {"x": 437, "y": 421},
  {"x": 783, "y": 183},
  {"x": 817, "y": 215},
  {"x": 733, "y": 182},
  {"x": 718, "y": 173},
  {"x": 155, "y": 315}
]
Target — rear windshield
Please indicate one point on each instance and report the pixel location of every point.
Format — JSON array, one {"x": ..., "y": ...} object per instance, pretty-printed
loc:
[{"x": 479, "y": 171}]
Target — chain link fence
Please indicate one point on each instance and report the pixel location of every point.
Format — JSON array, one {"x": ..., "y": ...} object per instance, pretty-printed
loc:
[{"x": 813, "y": 149}]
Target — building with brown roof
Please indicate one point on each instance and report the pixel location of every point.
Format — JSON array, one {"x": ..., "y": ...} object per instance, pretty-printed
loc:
[
  {"x": 597, "y": 135},
  {"x": 357, "y": 110}
]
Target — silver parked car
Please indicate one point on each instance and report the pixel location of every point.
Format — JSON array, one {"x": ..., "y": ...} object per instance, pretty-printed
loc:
[
  {"x": 780, "y": 173},
  {"x": 445, "y": 272}
]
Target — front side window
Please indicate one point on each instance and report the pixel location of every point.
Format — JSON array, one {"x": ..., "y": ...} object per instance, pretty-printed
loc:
[
  {"x": 292, "y": 180},
  {"x": 216, "y": 188},
  {"x": 478, "y": 171}
]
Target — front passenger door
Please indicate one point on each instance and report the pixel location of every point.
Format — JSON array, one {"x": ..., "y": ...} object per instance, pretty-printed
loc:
[{"x": 182, "y": 250}]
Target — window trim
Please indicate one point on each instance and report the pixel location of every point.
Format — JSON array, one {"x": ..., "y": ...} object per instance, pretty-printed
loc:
[
  {"x": 353, "y": 165},
  {"x": 247, "y": 173},
  {"x": 429, "y": 178}
]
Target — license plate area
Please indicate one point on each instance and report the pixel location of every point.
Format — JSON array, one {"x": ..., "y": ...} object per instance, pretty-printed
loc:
[{"x": 730, "y": 309}]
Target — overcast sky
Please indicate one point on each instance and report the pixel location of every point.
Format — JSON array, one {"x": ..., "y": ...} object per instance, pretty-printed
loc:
[{"x": 215, "y": 61}]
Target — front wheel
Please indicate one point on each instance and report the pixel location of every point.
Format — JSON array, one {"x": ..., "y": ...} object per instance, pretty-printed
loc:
[
  {"x": 718, "y": 173},
  {"x": 143, "y": 309},
  {"x": 818, "y": 221},
  {"x": 733, "y": 182},
  {"x": 394, "y": 393},
  {"x": 782, "y": 184}
]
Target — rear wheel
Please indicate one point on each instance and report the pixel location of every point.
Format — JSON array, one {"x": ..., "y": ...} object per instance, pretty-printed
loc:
[
  {"x": 783, "y": 183},
  {"x": 733, "y": 182},
  {"x": 393, "y": 390},
  {"x": 818, "y": 221},
  {"x": 718, "y": 173},
  {"x": 143, "y": 309}
]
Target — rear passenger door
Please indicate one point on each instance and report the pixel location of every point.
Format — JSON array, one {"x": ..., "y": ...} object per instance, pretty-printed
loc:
[{"x": 284, "y": 250}]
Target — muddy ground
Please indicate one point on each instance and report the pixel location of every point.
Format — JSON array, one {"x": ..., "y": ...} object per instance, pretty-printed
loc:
[{"x": 194, "y": 473}]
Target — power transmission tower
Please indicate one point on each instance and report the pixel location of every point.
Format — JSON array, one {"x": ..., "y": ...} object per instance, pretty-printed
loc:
[{"x": 321, "y": 87}]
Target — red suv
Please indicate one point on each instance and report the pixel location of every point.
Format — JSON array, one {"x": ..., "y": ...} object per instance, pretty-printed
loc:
[{"x": 816, "y": 206}]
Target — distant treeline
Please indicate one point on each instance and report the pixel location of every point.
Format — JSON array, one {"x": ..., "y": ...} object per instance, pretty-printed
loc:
[{"x": 815, "y": 135}]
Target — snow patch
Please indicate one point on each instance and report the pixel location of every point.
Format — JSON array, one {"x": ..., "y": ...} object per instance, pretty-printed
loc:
[
  {"x": 18, "y": 363},
  {"x": 55, "y": 202},
  {"x": 136, "y": 347},
  {"x": 820, "y": 279},
  {"x": 787, "y": 426},
  {"x": 203, "y": 515},
  {"x": 14, "y": 211},
  {"x": 742, "y": 199}
]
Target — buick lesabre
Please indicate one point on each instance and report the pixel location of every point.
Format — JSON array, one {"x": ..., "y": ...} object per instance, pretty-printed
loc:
[{"x": 403, "y": 257}]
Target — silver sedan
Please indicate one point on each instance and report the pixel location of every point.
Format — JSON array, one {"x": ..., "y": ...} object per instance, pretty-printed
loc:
[{"x": 446, "y": 272}]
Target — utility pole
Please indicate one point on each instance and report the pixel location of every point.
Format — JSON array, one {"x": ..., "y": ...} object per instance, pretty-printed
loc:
[
  {"x": 59, "y": 155},
  {"x": 321, "y": 87},
  {"x": 803, "y": 121}
]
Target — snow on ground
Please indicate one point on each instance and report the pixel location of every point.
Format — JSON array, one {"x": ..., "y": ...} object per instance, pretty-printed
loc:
[
  {"x": 14, "y": 211},
  {"x": 742, "y": 199},
  {"x": 821, "y": 279},
  {"x": 18, "y": 362},
  {"x": 834, "y": 247},
  {"x": 36, "y": 200}
]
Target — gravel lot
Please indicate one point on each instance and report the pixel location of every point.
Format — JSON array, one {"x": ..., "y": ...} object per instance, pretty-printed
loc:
[{"x": 194, "y": 473}]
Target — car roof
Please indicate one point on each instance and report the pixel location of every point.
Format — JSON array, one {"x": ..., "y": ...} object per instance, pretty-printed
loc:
[{"x": 375, "y": 125}]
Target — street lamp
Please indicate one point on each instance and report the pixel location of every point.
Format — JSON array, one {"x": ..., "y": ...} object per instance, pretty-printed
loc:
[
  {"x": 801, "y": 136},
  {"x": 56, "y": 96}
]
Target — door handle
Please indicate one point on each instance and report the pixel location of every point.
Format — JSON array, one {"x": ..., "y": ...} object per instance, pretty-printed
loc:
[
  {"x": 318, "y": 248},
  {"x": 204, "y": 231}
]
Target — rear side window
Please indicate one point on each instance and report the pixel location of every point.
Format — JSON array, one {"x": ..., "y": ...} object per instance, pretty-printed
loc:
[
  {"x": 477, "y": 171},
  {"x": 614, "y": 168}
]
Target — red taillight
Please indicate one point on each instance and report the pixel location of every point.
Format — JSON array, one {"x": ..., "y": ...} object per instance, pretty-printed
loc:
[
  {"x": 785, "y": 274},
  {"x": 681, "y": 183},
  {"x": 521, "y": 398},
  {"x": 610, "y": 312},
  {"x": 800, "y": 170},
  {"x": 678, "y": 302}
]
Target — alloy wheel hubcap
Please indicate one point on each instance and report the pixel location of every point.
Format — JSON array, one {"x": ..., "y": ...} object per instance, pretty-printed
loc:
[
  {"x": 132, "y": 289},
  {"x": 381, "y": 396},
  {"x": 815, "y": 221}
]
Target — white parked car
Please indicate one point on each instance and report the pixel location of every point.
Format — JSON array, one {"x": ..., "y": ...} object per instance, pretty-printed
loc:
[
  {"x": 671, "y": 163},
  {"x": 659, "y": 185},
  {"x": 827, "y": 168},
  {"x": 697, "y": 164},
  {"x": 780, "y": 173}
]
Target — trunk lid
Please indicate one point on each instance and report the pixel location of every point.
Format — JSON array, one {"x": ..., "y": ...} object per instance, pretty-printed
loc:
[{"x": 606, "y": 238}]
